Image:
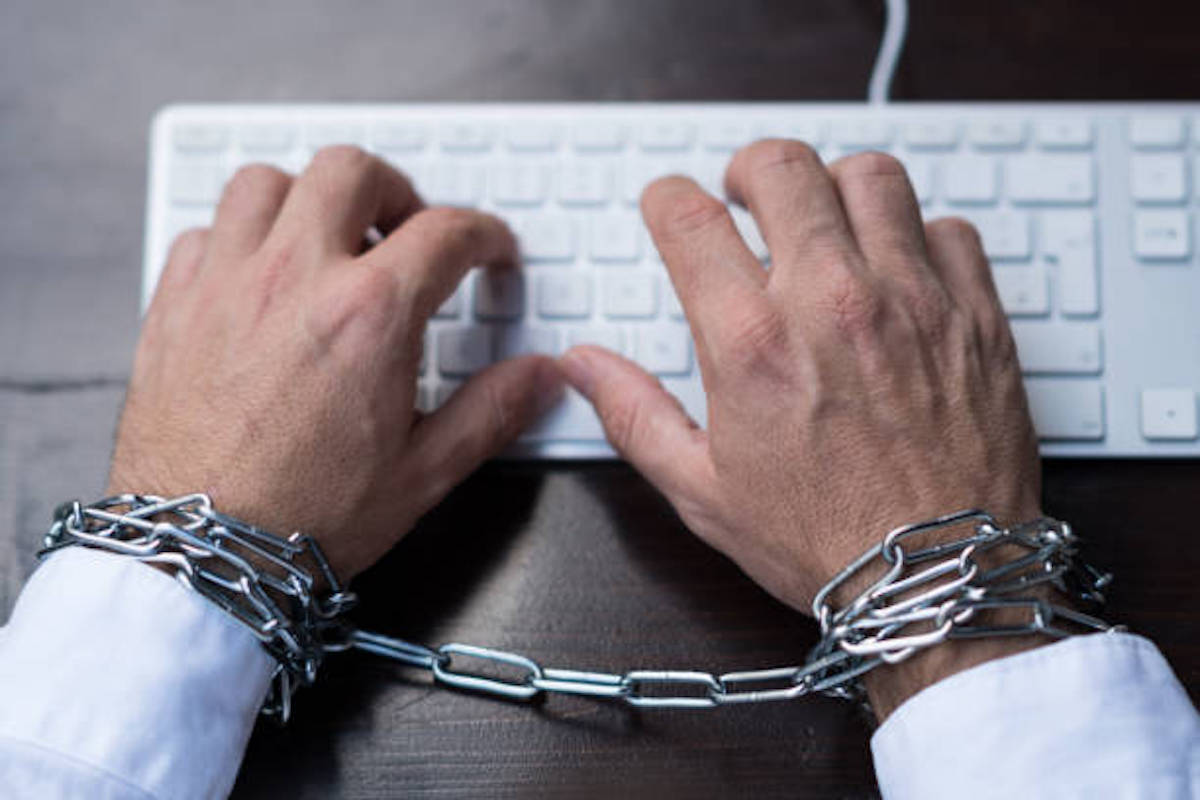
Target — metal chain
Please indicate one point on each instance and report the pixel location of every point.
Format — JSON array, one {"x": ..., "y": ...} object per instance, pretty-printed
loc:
[{"x": 925, "y": 596}]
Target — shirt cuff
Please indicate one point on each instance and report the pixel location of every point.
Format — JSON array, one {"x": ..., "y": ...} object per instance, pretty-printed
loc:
[
  {"x": 1100, "y": 715},
  {"x": 118, "y": 666}
]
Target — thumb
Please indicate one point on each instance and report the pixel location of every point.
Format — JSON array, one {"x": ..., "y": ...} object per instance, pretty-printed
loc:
[
  {"x": 643, "y": 421},
  {"x": 484, "y": 416}
]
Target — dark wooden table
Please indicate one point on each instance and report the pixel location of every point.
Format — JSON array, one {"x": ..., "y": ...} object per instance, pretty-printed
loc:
[{"x": 576, "y": 565}]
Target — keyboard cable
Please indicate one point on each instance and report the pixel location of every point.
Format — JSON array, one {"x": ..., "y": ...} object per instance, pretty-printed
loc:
[{"x": 895, "y": 27}]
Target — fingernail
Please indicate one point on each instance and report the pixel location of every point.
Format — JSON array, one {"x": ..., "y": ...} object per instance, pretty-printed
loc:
[
  {"x": 579, "y": 371},
  {"x": 548, "y": 386}
]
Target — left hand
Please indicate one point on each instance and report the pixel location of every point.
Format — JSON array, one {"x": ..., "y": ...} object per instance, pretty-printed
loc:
[{"x": 277, "y": 364}]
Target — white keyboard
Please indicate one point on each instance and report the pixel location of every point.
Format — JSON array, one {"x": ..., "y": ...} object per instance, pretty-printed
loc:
[{"x": 1088, "y": 213}]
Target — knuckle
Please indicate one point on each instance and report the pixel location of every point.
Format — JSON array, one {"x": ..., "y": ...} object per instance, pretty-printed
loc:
[
  {"x": 690, "y": 212},
  {"x": 759, "y": 342},
  {"x": 856, "y": 306},
  {"x": 955, "y": 229},
  {"x": 255, "y": 179},
  {"x": 461, "y": 224},
  {"x": 358, "y": 298},
  {"x": 340, "y": 158},
  {"x": 774, "y": 154},
  {"x": 871, "y": 164},
  {"x": 1003, "y": 347},
  {"x": 505, "y": 425},
  {"x": 622, "y": 421},
  {"x": 930, "y": 308},
  {"x": 185, "y": 255}
]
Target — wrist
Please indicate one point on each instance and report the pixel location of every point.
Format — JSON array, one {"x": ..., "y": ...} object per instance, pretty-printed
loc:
[
  {"x": 938, "y": 597},
  {"x": 889, "y": 686}
]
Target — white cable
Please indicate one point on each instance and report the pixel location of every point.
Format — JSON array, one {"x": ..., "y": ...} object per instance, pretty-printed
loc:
[{"x": 895, "y": 26}]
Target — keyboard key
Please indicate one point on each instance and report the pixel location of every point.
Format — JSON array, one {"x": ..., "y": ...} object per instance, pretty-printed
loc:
[
  {"x": 445, "y": 389},
  {"x": 267, "y": 138},
  {"x": 725, "y": 136},
  {"x": 499, "y": 294},
  {"x": 1006, "y": 235},
  {"x": 931, "y": 134},
  {"x": 664, "y": 349},
  {"x": 452, "y": 307},
  {"x": 637, "y": 176},
  {"x": 399, "y": 137},
  {"x": 200, "y": 138},
  {"x": 424, "y": 400},
  {"x": 454, "y": 184},
  {"x": 324, "y": 134},
  {"x": 1161, "y": 235},
  {"x": 184, "y": 218},
  {"x": 584, "y": 184},
  {"x": 1169, "y": 414},
  {"x": 564, "y": 295},
  {"x": 519, "y": 184},
  {"x": 463, "y": 351},
  {"x": 1064, "y": 179},
  {"x": 572, "y": 420},
  {"x": 531, "y": 137},
  {"x": 1066, "y": 409},
  {"x": 1054, "y": 347},
  {"x": 996, "y": 134},
  {"x": 970, "y": 180},
  {"x": 671, "y": 301},
  {"x": 1158, "y": 178},
  {"x": 809, "y": 131},
  {"x": 920, "y": 175},
  {"x": 465, "y": 137},
  {"x": 1023, "y": 291},
  {"x": 1069, "y": 242},
  {"x": 748, "y": 228},
  {"x": 1157, "y": 132},
  {"x": 597, "y": 136},
  {"x": 710, "y": 174},
  {"x": 665, "y": 135},
  {"x": 1063, "y": 133},
  {"x": 196, "y": 183},
  {"x": 518, "y": 340},
  {"x": 601, "y": 335},
  {"x": 690, "y": 394},
  {"x": 547, "y": 237},
  {"x": 615, "y": 238},
  {"x": 862, "y": 134},
  {"x": 630, "y": 295}
]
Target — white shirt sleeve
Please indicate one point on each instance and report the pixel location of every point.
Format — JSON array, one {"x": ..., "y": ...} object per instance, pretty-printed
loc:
[
  {"x": 118, "y": 682},
  {"x": 1091, "y": 716}
]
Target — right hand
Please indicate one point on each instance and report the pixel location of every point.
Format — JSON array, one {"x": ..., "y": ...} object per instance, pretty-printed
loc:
[{"x": 868, "y": 379}]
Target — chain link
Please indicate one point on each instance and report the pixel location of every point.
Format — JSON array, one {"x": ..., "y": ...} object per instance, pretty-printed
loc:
[{"x": 924, "y": 596}]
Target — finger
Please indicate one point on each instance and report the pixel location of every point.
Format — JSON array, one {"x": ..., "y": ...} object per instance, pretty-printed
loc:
[
  {"x": 342, "y": 193},
  {"x": 485, "y": 415},
  {"x": 883, "y": 215},
  {"x": 707, "y": 259},
  {"x": 249, "y": 205},
  {"x": 184, "y": 260},
  {"x": 432, "y": 251},
  {"x": 796, "y": 205},
  {"x": 643, "y": 422},
  {"x": 956, "y": 255}
]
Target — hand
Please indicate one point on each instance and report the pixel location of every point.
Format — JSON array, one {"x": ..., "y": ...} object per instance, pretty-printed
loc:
[
  {"x": 277, "y": 364},
  {"x": 868, "y": 379}
]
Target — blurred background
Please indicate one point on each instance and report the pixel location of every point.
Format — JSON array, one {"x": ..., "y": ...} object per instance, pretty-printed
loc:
[{"x": 79, "y": 82}]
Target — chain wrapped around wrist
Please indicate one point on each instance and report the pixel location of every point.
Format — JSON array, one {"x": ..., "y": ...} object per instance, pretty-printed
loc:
[{"x": 923, "y": 597}]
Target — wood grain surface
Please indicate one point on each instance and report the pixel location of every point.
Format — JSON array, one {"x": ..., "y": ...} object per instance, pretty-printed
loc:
[{"x": 575, "y": 565}]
